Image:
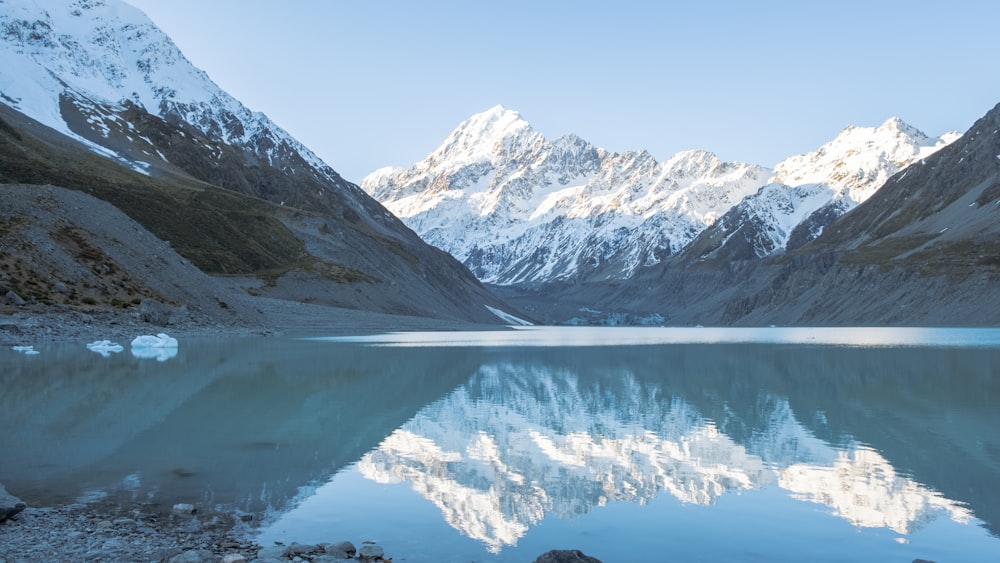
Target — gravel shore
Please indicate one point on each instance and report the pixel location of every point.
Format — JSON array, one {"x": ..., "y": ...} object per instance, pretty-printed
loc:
[
  {"x": 38, "y": 324},
  {"x": 113, "y": 533}
]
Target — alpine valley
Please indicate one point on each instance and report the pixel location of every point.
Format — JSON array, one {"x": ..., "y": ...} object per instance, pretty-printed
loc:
[
  {"x": 94, "y": 98},
  {"x": 128, "y": 175},
  {"x": 576, "y": 234}
]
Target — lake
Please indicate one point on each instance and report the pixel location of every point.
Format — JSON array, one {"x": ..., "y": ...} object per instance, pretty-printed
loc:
[{"x": 630, "y": 444}]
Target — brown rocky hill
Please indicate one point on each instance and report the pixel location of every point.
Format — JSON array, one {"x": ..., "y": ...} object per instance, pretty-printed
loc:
[{"x": 347, "y": 253}]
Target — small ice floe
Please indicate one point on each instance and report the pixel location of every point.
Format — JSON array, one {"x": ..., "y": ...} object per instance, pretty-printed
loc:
[
  {"x": 27, "y": 350},
  {"x": 160, "y": 347},
  {"x": 105, "y": 347}
]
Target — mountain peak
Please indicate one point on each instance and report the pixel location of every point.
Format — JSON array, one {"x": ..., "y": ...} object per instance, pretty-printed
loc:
[
  {"x": 897, "y": 125},
  {"x": 476, "y": 139},
  {"x": 494, "y": 123}
]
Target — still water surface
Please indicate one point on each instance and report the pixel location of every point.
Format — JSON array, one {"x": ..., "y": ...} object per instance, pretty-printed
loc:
[{"x": 629, "y": 444}]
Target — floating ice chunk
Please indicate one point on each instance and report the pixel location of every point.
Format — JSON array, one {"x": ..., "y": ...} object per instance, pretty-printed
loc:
[
  {"x": 160, "y": 347},
  {"x": 28, "y": 350},
  {"x": 105, "y": 347},
  {"x": 159, "y": 341}
]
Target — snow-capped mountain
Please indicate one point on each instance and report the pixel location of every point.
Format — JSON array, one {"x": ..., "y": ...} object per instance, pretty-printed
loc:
[
  {"x": 517, "y": 208},
  {"x": 810, "y": 190},
  {"x": 80, "y": 67}
]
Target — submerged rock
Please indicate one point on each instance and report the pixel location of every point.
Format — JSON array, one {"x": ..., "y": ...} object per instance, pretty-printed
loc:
[
  {"x": 273, "y": 552},
  {"x": 566, "y": 556},
  {"x": 193, "y": 556}
]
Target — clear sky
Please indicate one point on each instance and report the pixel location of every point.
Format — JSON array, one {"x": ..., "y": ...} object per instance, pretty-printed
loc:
[{"x": 371, "y": 83}]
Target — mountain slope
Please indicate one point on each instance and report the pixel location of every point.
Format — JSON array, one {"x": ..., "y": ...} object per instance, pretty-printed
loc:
[
  {"x": 517, "y": 208},
  {"x": 809, "y": 191},
  {"x": 98, "y": 75}
]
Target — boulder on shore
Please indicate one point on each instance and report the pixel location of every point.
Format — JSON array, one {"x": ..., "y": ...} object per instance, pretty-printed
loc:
[{"x": 9, "y": 504}]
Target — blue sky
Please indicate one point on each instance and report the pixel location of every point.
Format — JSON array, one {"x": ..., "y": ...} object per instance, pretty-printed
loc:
[{"x": 366, "y": 84}]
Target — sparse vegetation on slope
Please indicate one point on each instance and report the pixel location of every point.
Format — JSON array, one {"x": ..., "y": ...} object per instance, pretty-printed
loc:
[{"x": 220, "y": 232}]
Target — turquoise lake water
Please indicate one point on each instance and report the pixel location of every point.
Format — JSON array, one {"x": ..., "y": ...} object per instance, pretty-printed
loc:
[{"x": 697, "y": 444}]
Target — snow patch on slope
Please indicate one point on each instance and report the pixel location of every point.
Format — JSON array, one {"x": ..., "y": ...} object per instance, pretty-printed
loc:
[{"x": 508, "y": 318}]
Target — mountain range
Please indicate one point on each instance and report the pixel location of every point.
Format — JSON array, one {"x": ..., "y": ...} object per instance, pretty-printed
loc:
[
  {"x": 856, "y": 232},
  {"x": 95, "y": 98},
  {"x": 519, "y": 209}
]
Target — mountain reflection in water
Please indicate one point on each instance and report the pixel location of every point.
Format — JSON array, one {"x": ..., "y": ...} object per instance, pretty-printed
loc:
[
  {"x": 505, "y": 440},
  {"x": 561, "y": 434}
]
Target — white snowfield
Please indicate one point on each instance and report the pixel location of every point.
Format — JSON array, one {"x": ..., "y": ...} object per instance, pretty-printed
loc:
[
  {"x": 508, "y": 318},
  {"x": 516, "y": 207}
]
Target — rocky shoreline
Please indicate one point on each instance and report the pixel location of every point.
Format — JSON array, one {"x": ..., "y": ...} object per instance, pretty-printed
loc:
[{"x": 136, "y": 532}]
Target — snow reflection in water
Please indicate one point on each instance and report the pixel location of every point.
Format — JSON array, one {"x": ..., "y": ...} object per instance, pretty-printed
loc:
[{"x": 876, "y": 444}]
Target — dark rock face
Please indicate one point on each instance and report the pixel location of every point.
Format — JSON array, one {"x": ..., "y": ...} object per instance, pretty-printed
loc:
[
  {"x": 9, "y": 505},
  {"x": 814, "y": 224},
  {"x": 565, "y": 556}
]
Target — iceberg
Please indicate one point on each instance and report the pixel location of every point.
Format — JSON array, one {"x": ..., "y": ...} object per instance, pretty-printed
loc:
[
  {"x": 160, "y": 347},
  {"x": 105, "y": 347},
  {"x": 28, "y": 350},
  {"x": 159, "y": 341}
]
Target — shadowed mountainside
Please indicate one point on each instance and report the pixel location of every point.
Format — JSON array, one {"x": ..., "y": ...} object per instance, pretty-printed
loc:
[{"x": 347, "y": 261}]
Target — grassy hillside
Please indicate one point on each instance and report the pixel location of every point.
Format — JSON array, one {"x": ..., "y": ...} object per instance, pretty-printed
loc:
[{"x": 219, "y": 231}]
